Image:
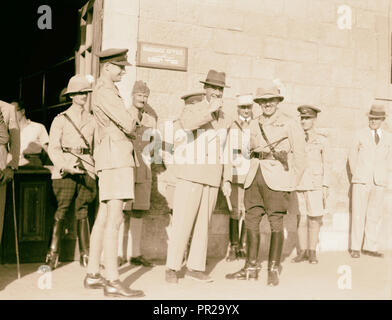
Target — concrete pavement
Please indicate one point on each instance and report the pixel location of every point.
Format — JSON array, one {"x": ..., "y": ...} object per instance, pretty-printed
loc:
[{"x": 368, "y": 277}]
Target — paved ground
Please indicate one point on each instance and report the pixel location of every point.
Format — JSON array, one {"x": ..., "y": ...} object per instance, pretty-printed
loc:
[{"x": 371, "y": 279}]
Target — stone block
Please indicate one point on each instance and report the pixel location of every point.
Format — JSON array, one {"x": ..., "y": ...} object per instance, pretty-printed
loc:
[
  {"x": 296, "y": 9},
  {"x": 202, "y": 37},
  {"x": 124, "y": 7},
  {"x": 301, "y": 51},
  {"x": 322, "y": 11},
  {"x": 365, "y": 19},
  {"x": 341, "y": 76},
  {"x": 331, "y": 35},
  {"x": 275, "y": 48},
  {"x": 315, "y": 74},
  {"x": 159, "y": 10},
  {"x": 223, "y": 18},
  {"x": 262, "y": 25},
  {"x": 364, "y": 78},
  {"x": 202, "y": 60},
  {"x": 306, "y": 94},
  {"x": 263, "y": 68},
  {"x": 330, "y": 55},
  {"x": 238, "y": 43},
  {"x": 239, "y": 66},
  {"x": 305, "y": 30},
  {"x": 328, "y": 96}
]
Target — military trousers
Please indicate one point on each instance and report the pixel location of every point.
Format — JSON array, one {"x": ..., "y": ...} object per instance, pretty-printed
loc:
[
  {"x": 237, "y": 200},
  {"x": 192, "y": 207},
  {"x": 260, "y": 200},
  {"x": 82, "y": 188},
  {"x": 367, "y": 209}
]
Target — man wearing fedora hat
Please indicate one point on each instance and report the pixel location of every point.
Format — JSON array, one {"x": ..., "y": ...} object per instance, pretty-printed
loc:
[
  {"x": 369, "y": 159},
  {"x": 199, "y": 178},
  {"x": 114, "y": 164},
  {"x": 277, "y": 152},
  {"x": 311, "y": 194},
  {"x": 235, "y": 171},
  {"x": 71, "y": 141}
]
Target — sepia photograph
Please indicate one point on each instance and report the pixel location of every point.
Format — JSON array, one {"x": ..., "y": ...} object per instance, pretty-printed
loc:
[{"x": 196, "y": 154}]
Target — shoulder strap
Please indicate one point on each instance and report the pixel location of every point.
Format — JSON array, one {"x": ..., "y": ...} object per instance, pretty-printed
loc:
[
  {"x": 265, "y": 138},
  {"x": 77, "y": 129}
]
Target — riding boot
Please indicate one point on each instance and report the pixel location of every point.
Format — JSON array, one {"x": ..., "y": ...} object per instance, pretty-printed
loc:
[
  {"x": 275, "y": 253},
  {"x": 52, "y": 257},
  {"x": 250, "y": 269},
  {"x": 83, "y": 230},
  {"x": 233, "y": 230},
  {"x": 242, "y": 246}
]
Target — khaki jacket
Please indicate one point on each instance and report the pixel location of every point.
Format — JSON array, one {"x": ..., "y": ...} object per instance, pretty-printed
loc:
[
  {"x": 143, "y": 144},
  {"x": 238, "y": 164},
  {"x": 63, "y": 134},
  {"x": 114, "y": 126},
  {"x": 277, "y": 127},
  {"x": 202, "y": 158},
  {"x": 370, "y": 162},
  {"x": 4, "y": 137},
  {"x": 316, "y": 174},
  {"x": 9, "y": 114}
]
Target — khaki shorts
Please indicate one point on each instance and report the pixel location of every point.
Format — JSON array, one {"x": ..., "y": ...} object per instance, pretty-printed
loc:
[
  {"x": 116, "y": 183},
  {"x": 309, "y": 202}
]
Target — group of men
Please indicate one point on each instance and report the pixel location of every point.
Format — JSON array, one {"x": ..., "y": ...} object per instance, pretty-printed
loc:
[{"x": 261, "y": 164}]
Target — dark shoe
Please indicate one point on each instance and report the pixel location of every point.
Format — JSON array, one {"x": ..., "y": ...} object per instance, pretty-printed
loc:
[
  {"x": 273, "y": 274},
  {"x": 312, "y": 257},
  {"x": 141, "y": 261},
  {"x": 248, "y": 272},
  {"x": 117, "y": 289},
  {"x": 198, "y": 276},
  {"x": 232, "y": 254},
  {"x": 83, "y": 230},
  {"x": 301, "y": 256},
  {"x": 355, "y": 254},
  {"x": 93, "y": 281},
  {"x": 373, "y": 253},
  {"x": 171, "y": 276},
  {"x": 52, "y": 257}
]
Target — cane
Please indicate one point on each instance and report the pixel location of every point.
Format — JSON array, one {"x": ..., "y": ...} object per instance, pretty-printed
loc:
[{"x": 15, "y": 228}]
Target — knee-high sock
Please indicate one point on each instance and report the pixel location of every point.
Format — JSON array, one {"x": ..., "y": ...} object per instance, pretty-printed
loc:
[
  {"x": 96, "y": 240},
  {"x": 136, "y": 227},
  {"x": 314, "y": 229},
  {"x": 302, "y": 232}
]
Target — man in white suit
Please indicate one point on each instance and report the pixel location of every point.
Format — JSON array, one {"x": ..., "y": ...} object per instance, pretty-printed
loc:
[{"x": 369, "y": 159}]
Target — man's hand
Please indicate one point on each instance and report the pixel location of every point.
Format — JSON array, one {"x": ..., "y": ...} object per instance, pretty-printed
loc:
[
  {"x": 71, "y": 170},
  {"x": 8, "y": 174},
  {"x": 226, "y": 188},
  {"x": 215, "y": 105}
]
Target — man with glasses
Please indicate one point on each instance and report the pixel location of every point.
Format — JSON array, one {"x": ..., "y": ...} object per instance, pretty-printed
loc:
[{"x": 277, "y": 152}]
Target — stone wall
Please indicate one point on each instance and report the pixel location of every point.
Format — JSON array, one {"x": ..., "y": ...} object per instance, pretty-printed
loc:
[{"x": 295, "y": 43}]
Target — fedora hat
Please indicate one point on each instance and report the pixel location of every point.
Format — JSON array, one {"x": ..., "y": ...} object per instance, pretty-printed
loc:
[
  {"x": 77, "y": 84},
  {"x": 266, "y": 94},
  {"x": 245, "y": 99},
  {"x": 376, "y": 111},
  {"x": 216, "y": 78}
]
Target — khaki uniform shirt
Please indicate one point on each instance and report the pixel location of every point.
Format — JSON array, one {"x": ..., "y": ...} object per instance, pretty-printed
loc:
[
  {"x": 114, "y": 126},
  {"x": 277, "y": 127},
  {"x": 63, "y": 134},
  {"x": 316, "y": 174}
]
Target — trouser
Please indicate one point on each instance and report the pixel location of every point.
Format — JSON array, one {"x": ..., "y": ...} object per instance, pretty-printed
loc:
[
  {"x": 192, "y": 207},
  {"x": 81, "y": 187},
  {"x": 3, "y": 188},
  {"x": 367, "y": 208},
  {"x": 130, "y": 234}
]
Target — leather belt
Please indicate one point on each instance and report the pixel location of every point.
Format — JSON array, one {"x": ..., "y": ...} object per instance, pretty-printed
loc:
[
  {"x": 78, "y": 150},
  {"x": 262, "y": 155}
]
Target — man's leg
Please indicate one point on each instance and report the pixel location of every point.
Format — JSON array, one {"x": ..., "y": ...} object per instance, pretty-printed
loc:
[
  {"x": 360, "y": 199},
  {"x": 233, "y": 224},
  {"x": 315, "y": 217},
  {"x": 373, "y": 217},
  {"x": 186, "y": 203},
  {"x": 302, "y": 226},
  {"x": 3, "y": 188},
  {"x": 198, "y": 250}
]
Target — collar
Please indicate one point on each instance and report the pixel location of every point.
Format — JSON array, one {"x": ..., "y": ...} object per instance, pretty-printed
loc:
[
  {"x": 247, "y": 120},
  {"x": 379, "y": 132}
]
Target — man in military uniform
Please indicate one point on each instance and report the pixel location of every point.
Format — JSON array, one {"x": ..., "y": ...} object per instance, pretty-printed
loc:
[
  {"x": 13, "y": 147},
  {"x": 145, "y": 131},
  {"x": 3, "y": 146},
  {"x": 277, "y": 146},
  {"x": 114, "y": 163},
  {"x": 199, "y": 178},
  {"x": 71, "y": 142},
  {"x": 237, "y": 169},
  {"x": 311, "y": 194},
  {"x": 370, "y": 160}
]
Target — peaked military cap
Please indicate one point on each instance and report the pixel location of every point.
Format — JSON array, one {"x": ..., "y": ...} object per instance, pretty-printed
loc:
[
  {"x": 193, "y": 97},
  {"x": 114, "y": 56},
  {"x": 307, "y": 111}
]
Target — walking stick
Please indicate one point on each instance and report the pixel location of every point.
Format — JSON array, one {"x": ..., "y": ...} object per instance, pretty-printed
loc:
[{"x": 15, "y": 228}]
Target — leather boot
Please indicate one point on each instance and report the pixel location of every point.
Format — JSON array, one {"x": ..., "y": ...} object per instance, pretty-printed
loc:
[
  {"x": 302, "y": 255},
  {"x": 52, "y": 257},
  {"x": 233, "y": 230},
  {"x": 83, "y": 230},
  {"x": 312, "y": 257},
  {"x": 251, "y": 268},
  {"x": 117, "y": 289},
  {"x": 275, "y": 253},
  {"x": 241, "y": 254}
]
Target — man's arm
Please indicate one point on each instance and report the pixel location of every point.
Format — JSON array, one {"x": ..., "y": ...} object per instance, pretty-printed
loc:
[
  {"x": 14, "y": 141},
  {"x": 55, "y": 151},
  {"x": 3, "y": 130}
]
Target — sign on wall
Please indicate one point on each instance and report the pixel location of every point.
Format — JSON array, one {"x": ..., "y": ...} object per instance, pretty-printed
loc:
[{"x": 162, "y": 56}]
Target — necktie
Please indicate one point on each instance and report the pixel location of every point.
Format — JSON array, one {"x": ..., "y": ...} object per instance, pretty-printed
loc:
[
  {"x": 376, "y": 137},
  {"x": 306, "y": 136}
]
